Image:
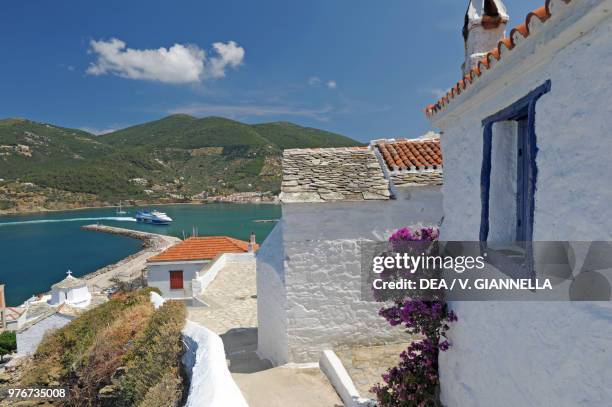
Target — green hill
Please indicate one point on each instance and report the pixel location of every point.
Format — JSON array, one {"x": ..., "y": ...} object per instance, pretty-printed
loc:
[
  {"x": 187, "y": 132},
  {"x": 184, "y": 131},
  {"x": 177, "y": 158},
  {"x": 288, "y": 135},
  {"x": 24, "y": 143}
]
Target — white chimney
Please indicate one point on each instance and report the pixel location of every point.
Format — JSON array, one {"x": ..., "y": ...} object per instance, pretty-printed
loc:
[
  {"x": 252, "y": 242},
  {"x": 485, "y": 25}
]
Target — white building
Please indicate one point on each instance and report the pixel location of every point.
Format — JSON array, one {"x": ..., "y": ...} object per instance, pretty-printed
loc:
[
  {"x": 183, "y": 270},
  {"x": 538, "y": 101},
  {"x": 72, "y": 291},
  {"x": 309, "y": 267}
]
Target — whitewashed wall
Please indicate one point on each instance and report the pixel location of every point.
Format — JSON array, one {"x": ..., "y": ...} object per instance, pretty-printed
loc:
[
  {"x": 535, "y": 354},
  {"x": 206, "y": 276},
  {"x": 309, "y": 274},
  {"x": 272, "y": 299},
  {"x": 324, "y": 308},
  {"x": 158, "y": 275},
  {"x": 211, "y": 383}
]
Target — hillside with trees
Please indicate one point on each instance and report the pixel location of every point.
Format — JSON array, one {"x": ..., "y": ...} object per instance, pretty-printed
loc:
[{"x": 179, "y": 158}]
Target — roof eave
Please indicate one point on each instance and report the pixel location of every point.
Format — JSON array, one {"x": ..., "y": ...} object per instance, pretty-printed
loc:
[{"x": 533, "y": 21}]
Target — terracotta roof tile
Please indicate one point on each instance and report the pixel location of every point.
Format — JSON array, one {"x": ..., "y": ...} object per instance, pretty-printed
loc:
[
  {"x": 202, "y": 248},
  {"x": 522, "y": 30},
  {"x": 411, "y": 154}
]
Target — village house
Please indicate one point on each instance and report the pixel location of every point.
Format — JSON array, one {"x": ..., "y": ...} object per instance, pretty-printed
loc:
[
  {"x": 184, "y": 270},
  {"x": 526, "y": 141},
  {"x": 309, "y": 267}
]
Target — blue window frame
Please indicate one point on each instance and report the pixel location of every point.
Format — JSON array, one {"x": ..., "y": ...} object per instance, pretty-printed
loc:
[{"x": 523, "y": 112}]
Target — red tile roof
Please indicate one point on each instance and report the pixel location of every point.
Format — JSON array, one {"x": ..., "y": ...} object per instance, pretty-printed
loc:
[
  {"x": 202, "y": 248},
  {"x": 411, "y": 154},
  {"x": 508, "y": 43}
]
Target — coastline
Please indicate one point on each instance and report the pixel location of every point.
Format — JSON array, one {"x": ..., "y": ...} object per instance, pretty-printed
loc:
[
  {"x": 131, "y": 266},
  {"x": 138, "y": 204},
  {"x": 129, "y": 258},
  {"x": 128, "y": 268}
]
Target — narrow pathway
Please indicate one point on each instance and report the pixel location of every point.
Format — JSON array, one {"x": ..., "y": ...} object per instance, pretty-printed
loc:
[
  {"x": 367, "y": 364},
  {"x": 231, "y": 299},
  {"x": 232, "y": 314}
]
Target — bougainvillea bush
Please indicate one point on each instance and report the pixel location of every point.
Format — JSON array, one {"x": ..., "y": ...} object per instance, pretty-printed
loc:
[{"x": 414, "y": 381}]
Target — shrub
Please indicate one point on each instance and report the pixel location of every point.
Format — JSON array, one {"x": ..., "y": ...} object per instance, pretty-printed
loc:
[
  {"x": 157, "y": 351},
  {"x": 6, "y": 204},
  {"x": 63, "y": 351},
  {"x": 166, "y": 393},
  {"x": 106, "y": 353},
  {"x": 8, "y": 343},
  {"x": 414, "y": 381},
  {"x": 121, "y": 353}
]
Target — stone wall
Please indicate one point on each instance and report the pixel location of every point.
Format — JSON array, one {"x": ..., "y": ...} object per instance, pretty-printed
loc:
[
  {"x": 405, "y": 179},
  {"x": 324, "y": 308},
  {"x": 309, "y": 274},
  {"x": 332, "y": 174}
]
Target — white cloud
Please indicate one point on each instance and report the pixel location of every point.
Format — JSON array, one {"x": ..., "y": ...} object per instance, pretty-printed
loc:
[
  {"x": 177, "y": 64},
  {"x": 230, "y": 54},
  {"x": 314, "y": 81}
]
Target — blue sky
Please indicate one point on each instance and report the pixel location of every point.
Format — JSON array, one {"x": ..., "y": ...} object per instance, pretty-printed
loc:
[{"x": 361, "y": 68}]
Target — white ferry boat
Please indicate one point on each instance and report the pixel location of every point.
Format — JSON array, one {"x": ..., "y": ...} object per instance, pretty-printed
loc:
[{"x": 153, "y": 217}]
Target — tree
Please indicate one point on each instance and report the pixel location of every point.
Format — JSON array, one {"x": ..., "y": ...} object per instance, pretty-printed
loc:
[{"x": 8, "y": 343}]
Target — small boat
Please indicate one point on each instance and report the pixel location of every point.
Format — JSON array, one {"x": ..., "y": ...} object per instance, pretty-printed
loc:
[
  {"x": 153, "y": 217},
  {"x": 120, "y": 211}
]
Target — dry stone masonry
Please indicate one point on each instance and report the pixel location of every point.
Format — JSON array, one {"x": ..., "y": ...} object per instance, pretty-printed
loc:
[
  {"x": 332, "y": 174},
  {"x": 416, "y": 178}
]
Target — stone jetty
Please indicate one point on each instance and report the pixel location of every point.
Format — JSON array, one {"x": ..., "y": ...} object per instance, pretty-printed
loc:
[{"x": 132, "y": 266}]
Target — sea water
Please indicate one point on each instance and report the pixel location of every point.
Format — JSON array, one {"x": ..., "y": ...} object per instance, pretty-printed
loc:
[{"x": 37, "y": 250}]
